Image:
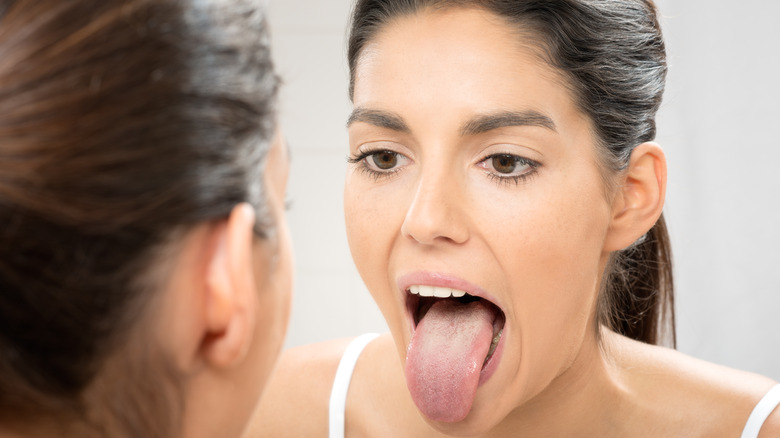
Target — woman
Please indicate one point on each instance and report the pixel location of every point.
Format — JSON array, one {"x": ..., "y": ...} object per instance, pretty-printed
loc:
[
  {"x": 504, "y": 208},
  {"x": 145, "y": 268}
]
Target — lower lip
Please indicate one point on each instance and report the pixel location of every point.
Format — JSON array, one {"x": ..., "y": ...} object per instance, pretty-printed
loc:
[{"x": 492, "y": 364}]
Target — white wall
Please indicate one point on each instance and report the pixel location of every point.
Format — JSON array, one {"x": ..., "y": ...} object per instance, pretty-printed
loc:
[
  {"x": 718, "y": 126},
  {"x": 309, "y": 42},
  {"x": 719, "y": 129}
]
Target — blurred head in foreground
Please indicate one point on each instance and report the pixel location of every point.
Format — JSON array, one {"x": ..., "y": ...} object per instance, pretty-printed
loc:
[{"x": 145, "y": 266}]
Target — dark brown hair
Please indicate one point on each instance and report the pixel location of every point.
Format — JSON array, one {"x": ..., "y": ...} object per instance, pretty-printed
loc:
[
  {"x": 612, "y": 54},
  {"x": 122, "y": 123}
]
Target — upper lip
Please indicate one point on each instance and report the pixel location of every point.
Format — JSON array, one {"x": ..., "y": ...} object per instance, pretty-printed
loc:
[{"x": 443, "y": 280}]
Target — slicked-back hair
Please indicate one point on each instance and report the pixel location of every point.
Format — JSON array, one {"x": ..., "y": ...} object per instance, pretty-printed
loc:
[{"x": 612, "y": 54}]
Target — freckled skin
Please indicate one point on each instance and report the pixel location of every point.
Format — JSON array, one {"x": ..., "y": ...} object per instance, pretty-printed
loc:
[{"x": 535, "y": 243}]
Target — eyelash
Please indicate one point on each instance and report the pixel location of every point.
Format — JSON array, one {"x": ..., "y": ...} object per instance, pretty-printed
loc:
[
  {"x": 360, "y": 159},
  {"x": 507, "y": 180},
  {"x": 497, "y": 178},
  {"x": 516, "y": 180}
]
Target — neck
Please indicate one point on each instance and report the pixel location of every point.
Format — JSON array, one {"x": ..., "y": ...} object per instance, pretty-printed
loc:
[{"x": 586, "y": 399}]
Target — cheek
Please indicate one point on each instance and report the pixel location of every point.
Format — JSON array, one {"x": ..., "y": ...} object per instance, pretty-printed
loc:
[
  {"x": 274, "y": 303},
  {"x": 554, "y": 267},
  {"x": 284, "y": 283},
  {"x": 358, "y": 231},
  {"x": 373, "y": 217},
  {"x": 274, "y": 285},
  {"x": 366, "y": 227},
  {"x": 369, "y": 218}
]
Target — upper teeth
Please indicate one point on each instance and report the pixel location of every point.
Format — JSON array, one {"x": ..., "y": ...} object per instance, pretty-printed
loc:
[{"x": 433, "y": 291}]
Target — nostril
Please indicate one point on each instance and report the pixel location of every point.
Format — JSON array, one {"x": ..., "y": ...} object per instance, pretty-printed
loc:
[
  {"x": 421, "y": 230},
  {"x": 432, "y": 235},
  {"x": 432, "y": 216}
]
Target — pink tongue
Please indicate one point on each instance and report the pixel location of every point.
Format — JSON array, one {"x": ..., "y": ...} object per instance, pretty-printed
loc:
[{"x": 445, "y": 358}]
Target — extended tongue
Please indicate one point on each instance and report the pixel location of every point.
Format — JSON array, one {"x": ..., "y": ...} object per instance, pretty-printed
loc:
[{"x": 445, "y": 358}]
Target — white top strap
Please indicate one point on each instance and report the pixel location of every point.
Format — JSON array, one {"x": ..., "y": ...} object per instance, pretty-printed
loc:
[
  {"x": 338, "y": 395},
  {"x": 761, "y": 412}
]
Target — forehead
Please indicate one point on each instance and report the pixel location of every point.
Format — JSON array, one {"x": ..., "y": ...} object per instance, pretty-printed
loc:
[{"x": 467, "y": 59}]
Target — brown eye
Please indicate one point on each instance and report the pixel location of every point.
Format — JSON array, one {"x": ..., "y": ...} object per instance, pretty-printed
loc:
[
  {"x": 504, "y": 163},
  {"x": 385, "y": 160}
]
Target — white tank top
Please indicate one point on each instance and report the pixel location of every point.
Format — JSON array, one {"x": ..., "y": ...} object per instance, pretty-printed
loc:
[
  {"x": 338, "y": 395},
  {"x": 761, "y": 412}
]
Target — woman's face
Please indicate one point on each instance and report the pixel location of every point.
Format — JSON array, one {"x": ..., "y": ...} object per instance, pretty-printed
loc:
[{"x": 473, "y": 171}]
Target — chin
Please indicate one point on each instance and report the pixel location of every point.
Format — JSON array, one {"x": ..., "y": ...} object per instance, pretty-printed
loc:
[{"x": 475, "y": 424}]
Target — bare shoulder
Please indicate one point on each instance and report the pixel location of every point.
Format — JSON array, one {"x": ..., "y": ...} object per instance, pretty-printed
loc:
[
  {"x": 295, "y": 401},
  {"x": 707, "y": 399},
  {"x": 771, "y": 427}
]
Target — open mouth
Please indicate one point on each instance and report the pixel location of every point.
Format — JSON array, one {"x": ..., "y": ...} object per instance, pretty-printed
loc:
[{"x": 420, "y": 299}]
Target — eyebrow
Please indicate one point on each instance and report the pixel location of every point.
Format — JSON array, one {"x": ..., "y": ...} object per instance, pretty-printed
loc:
[
  {"x": 489, "y": 122},
  {"x": 382, "y": 119},
  {"x": 478, "y": 125}
]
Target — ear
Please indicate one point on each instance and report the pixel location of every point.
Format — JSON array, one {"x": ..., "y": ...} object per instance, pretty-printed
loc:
[
  {"x": 640, "y": 198},
  {"x": 231, "y": 301}
]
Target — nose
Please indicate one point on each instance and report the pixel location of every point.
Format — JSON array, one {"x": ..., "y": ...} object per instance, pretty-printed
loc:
[{"x": 438, "y": 212}]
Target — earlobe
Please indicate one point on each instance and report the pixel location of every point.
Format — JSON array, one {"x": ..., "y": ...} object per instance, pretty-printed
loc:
[
  {"x": 230, "y": 295},
  {"x": 640, "y": 198}
]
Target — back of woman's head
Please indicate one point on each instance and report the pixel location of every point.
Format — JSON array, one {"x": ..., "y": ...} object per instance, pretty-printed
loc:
[
  {"x": 122, "y": 123},
  {"x": 612, "y": 56}
]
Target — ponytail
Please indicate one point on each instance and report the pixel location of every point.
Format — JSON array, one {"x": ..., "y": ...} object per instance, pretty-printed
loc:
[
  {"x": 637, "y": 299},
  {"x": 614, "y": 58}
]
